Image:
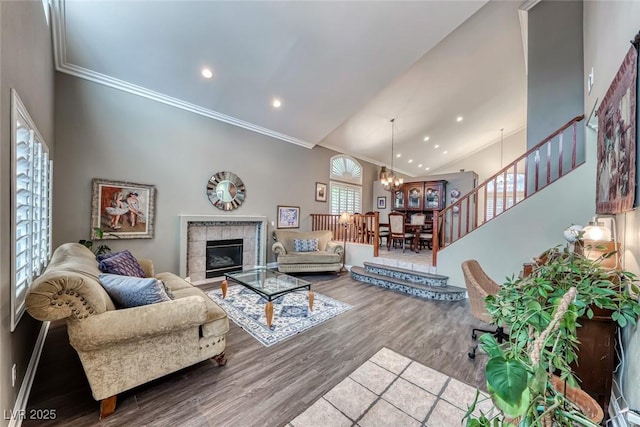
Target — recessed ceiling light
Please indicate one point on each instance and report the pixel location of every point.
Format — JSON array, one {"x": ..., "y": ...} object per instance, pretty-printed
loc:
[
  {"x": 445, "y": 152},
  {"x": 426, "y": 138},
  {"x": 410, "y": 160},
  {"x": 426, "y": 169},
  {"x": 398, "y": 155},
  {"x": 420, "y": 165},
  {"x": 436, "y": 146},
  {"x": 459, "y": 119},
  {"x": 276, "y": 103},
  {"x": 206, "y": 73}
]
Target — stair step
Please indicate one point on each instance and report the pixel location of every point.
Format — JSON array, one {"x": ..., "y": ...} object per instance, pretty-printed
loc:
[
  {"x": 411, "y": 276},
  {"x": 441, "y": 293}
]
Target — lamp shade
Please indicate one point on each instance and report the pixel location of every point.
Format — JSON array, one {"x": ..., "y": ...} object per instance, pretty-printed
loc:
[
  {"x": 597, "y": 231},
  {"x": 345, "y": 218}
]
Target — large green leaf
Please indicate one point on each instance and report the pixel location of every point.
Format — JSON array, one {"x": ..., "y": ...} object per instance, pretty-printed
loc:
[
  {"x": 507, "y": 378},
  {"x": 512, "y": 411}
]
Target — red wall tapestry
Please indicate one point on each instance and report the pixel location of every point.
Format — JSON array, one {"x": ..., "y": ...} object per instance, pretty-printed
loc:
[{"x": 616, "y": 171}]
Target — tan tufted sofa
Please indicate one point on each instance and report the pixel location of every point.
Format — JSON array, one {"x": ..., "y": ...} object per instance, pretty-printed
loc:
[
  {"x": 327, "y": 258},
  {"x": 121, "y": 349}
]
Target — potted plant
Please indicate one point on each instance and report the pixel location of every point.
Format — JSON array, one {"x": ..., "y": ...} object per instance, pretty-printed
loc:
[
  {"x": 100, "y": 249},
  {"x": 542, "y": 312}
]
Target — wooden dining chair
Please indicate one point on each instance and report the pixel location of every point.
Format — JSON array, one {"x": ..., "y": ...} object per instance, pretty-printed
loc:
[{"x": 397, "y": 230}]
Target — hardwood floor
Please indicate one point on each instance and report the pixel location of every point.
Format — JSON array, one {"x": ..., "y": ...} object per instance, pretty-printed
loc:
[{"x": 262, "y": 386}]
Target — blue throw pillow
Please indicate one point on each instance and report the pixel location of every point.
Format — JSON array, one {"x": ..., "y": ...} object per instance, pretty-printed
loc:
[
  {"x": 305, "y": 245},
  {"x": 121, "y": 263},
  {"x": 126, "y": 291}
]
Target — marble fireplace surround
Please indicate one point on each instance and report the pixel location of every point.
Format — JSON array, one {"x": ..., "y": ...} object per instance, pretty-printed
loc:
[{"x": 195, "y": 230}]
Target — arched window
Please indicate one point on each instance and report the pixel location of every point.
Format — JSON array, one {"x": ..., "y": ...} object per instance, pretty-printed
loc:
[{"x": 345, "y": 185}]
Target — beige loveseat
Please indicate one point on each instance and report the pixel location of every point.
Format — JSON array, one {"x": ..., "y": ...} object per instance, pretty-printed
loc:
[
  {"x": 123, "y": 348},
  {"x": 328, "y": 257}
]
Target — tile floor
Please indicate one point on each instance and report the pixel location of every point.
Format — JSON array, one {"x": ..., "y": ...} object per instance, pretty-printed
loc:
[
  {"x": 392, "y": 390},
  {"x": 408, "y": 260},
  {"x": 423, "y": 257}
]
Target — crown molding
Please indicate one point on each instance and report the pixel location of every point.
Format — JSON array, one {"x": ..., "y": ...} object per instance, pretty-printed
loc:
[{"x": 60, "y": 57}]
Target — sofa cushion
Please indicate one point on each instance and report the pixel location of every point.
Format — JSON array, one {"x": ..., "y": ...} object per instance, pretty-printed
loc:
[
  {"x": 122, "y": 263},
  {"x": 173, "y": 281},
  {"x": 305, "y": 245},
  {"x": 127, "y": 291},
  {"x": 286, "y": 237},
  {"x": 310, "y": 258}
]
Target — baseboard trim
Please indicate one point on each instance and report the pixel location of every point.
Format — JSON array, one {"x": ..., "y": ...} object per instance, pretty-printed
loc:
[{"x": 20, "y": 407}]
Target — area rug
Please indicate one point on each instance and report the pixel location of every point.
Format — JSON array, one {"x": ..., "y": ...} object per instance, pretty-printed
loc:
[
  {"x": 291, "y": 314},
  {"x": 390, "y": 389}
]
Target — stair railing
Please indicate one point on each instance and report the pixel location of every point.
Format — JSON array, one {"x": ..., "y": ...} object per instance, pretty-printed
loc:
[
  {"x": 363, "y": 228},
  {"x": 541, "y": 165}
]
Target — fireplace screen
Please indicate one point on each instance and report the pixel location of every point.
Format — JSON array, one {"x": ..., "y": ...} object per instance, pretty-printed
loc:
[{"x": 223, "y": 256}]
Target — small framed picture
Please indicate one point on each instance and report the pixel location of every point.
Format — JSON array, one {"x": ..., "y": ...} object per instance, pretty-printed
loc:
[
  {"x": 288, "y": 217},
  {"x": 321, "y": 192},
  {"x": 123, "y": 210},
  {"x": 382, "y": 202}
]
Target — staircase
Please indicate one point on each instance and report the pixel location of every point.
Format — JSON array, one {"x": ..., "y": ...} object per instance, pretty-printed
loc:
[
  {"x": 410, "y": 282},
  {"x": 540, "y": 166}
]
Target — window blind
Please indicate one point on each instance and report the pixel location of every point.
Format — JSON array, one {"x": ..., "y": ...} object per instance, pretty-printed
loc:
[{"x": 31, "y": 213}]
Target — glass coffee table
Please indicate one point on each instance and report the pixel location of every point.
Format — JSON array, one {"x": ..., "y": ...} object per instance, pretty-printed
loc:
[{"x": 269, "y": 284}]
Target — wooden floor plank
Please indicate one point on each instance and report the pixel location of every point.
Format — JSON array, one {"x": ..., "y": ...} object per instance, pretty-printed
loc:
[{"x": 262, "y": 386}]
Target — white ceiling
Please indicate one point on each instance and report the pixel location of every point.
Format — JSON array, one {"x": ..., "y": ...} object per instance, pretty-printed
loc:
[{"x": 343, "y": 69}]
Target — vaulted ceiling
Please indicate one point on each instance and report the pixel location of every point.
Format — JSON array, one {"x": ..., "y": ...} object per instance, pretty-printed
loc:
[{"x": 341, "y": 69}]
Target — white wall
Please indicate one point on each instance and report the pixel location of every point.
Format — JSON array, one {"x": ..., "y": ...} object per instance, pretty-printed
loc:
[
  {"x": 26, "y": 64},
  {"x": 110, "y": 134},
  {"x": 555, "y": 88},
  {"x": 608, "y": 27},
  {"x": 486, "y": 162}
]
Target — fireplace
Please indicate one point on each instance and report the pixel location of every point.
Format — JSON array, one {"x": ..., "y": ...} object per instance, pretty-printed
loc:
[
  {"x": 223, "y": 256},
  {"x": 197, "y": 230}
]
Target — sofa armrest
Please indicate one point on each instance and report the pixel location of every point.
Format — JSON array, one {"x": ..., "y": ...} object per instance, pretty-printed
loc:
[
  {"x": 128, "y": 324},
  {"x": 335, "y": 247},
  {"x": 279, "y": 249},
  {"x": 147, "y": 267}
]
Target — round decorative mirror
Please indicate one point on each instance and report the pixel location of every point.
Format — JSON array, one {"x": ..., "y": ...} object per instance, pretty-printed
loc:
[{"x": 226, "y": 191}]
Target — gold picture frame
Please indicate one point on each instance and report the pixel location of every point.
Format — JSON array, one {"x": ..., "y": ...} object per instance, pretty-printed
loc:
[{"x": 122, "y": 210}]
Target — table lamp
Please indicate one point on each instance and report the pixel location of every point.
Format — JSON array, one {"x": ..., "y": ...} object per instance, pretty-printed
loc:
[{"x": 602, "y": 240}]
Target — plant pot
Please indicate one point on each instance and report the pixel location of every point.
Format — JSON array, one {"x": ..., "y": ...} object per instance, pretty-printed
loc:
[{"x": 585, "y": 403}]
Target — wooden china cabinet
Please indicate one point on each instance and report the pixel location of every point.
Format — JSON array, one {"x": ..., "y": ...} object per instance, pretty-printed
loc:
[{"x": 420, "y": 196}]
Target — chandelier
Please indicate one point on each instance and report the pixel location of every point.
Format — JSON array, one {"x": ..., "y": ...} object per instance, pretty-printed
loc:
[{"x": 388, "y": 179}]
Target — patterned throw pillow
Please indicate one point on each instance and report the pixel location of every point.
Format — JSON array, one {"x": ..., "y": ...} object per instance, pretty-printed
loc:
[
  {"x": 305, "y": 245},
  {"x": 127, "y": 292},
  {"x": 122, "y": 263},
  {"x": 106, "y": 255}
]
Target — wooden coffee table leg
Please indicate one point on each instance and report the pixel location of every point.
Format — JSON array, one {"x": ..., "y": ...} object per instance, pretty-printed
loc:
[
  {"x": 310, "y": 300},
  {"x": 268, "y": 310},
  {"x": 224, "y": 289}
]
